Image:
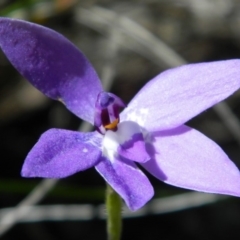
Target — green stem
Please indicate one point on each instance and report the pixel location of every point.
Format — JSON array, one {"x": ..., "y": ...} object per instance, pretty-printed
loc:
[{"x": 114, "y": 220}]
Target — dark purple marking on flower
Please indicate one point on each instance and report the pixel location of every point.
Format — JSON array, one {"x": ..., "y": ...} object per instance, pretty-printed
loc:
[{"x": 107, "y": 109}]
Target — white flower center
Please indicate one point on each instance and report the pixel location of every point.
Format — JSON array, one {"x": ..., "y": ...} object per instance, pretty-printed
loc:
[{"x": 112, "y": 140}]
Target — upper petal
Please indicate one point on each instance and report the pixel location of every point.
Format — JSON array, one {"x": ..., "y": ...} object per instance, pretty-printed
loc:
[
  {"x": 175, "y": 96},
  {"x": 128, "y": 181},
  {"x": 52, "y": 64},
  {"x": 186, "y": 158},
  {"x": 60, "y": 153}
]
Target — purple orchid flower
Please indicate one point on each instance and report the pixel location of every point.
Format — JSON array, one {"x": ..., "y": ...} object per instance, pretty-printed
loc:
[{"x": 149, "y": 131}]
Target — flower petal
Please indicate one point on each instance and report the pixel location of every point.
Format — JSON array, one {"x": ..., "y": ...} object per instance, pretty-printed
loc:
[
  {"x": 60, "y": 153},
  {"x": 186, "y": 158},
  {"x": 52, "y": 64},
  {"x": 128, "y": 181},
  {"x": 177, "y": 95}
]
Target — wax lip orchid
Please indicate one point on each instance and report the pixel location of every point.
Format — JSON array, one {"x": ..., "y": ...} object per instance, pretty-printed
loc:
[{"x": 149, "y": 132}]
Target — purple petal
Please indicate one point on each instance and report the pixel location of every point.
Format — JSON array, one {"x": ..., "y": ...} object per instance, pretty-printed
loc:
[
  {"x": 128, "y": 181},
  {"x": 177, "y": 95},
  {"x": 60, "y": 153},
  {"x": 186, "y": 158},
  {"x": 52, "y": 64}
]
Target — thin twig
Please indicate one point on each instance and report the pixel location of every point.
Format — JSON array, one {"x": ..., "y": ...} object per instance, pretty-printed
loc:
[
  {"x": 15, "y": 214},
  {"x": 88, "y": 212},
  {"x": 154, "y": 49}
]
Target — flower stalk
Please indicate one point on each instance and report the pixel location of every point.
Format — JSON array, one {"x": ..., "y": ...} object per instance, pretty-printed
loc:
[{"x": 114, "y": 219}]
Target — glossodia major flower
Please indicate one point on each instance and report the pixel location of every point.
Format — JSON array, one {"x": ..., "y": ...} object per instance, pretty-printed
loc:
[{"x": 149, "y": 132}]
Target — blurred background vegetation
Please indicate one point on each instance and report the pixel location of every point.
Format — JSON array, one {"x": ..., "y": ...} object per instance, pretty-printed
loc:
[{"x": 128, "y": 42}]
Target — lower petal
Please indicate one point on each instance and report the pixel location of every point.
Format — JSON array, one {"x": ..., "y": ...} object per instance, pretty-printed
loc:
[
  {"x": 60, "y": 153},
  {"x": 128, "y": 181},
  {"x": 186, "y": 158}
]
